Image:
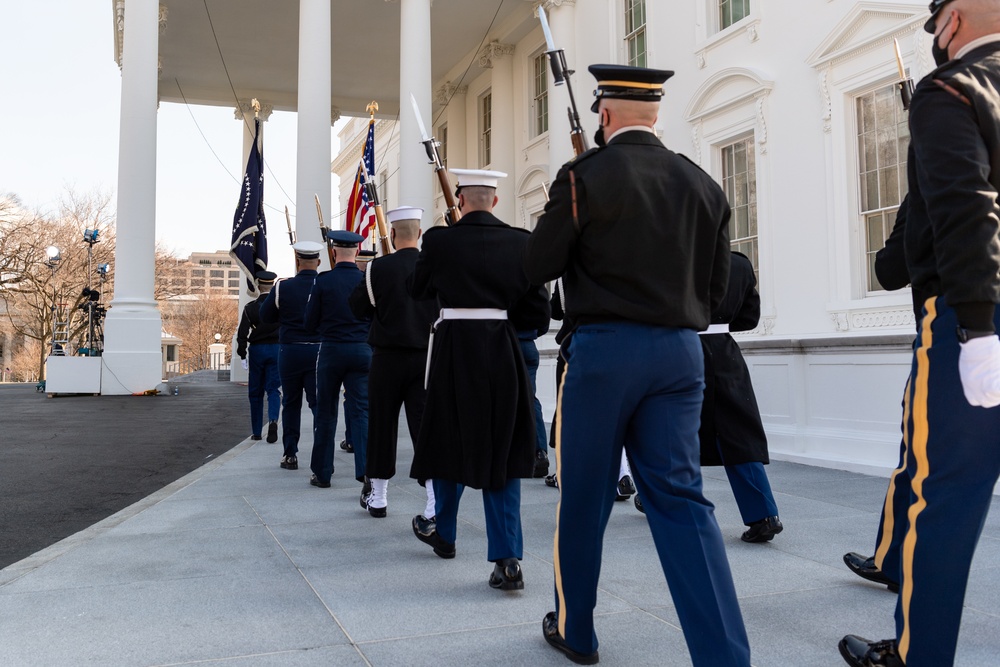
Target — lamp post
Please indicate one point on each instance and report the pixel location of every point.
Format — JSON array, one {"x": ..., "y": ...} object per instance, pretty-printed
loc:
[{"x": 53, "y": 257}]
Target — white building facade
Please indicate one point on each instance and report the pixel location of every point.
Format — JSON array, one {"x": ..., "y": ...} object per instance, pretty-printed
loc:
[{"x": 793, "y": 108}]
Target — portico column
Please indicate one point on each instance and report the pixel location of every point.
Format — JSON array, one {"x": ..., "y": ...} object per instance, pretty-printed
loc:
[
  {"x": 132, "y": 361},
  {"x": 313, "y": 139},
  {"x": 562, "y": 21},
  {"x": 416, "y": 184},
  {"x": 245, "y": 114},
  {"x": 499, "y": 58}
]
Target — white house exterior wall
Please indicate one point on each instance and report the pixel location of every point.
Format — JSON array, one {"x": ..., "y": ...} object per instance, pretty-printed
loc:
[{"x": 829, "y": 362}]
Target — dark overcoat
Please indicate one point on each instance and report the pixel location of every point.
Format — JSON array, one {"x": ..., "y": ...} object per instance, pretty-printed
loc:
[
  {"x": 479, "y": 425},
  {"x": 729, "y": 413}
]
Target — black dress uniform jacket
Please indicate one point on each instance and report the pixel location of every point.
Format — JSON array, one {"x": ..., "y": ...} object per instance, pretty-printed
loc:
[
  {"x": 479, "y": 422},
  {"x": 286, "y": 304},
  {"x": 729, "y": 412},
  {"x": 399, "y": 322},
  {"x": 635, "y": 193},
  {"x": 252, "y": 330},
  {"x": 958, "y": 255}
]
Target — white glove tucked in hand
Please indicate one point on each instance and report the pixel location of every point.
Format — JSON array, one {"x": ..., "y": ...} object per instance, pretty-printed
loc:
[
  {"x": 245, "y": 364},
  {"x": 979, "y": 369}
]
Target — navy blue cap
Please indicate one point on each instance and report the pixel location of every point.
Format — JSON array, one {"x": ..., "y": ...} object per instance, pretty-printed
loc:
[
  {"x": 266, "y": 276},
  {"x": 341, "y": 238},
  {"x": 623, "y": 82},
  {"x": 935, "y": 8}
]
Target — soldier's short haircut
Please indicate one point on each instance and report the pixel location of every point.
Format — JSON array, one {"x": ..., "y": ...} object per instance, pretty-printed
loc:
[
  {"x": 406, "y": 230},
  {"x": 479, "y": 196}
]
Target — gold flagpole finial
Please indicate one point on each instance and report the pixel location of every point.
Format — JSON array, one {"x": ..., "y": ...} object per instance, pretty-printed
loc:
[
  {"x": 372, "y": 108},
  {"x": 255, "y": 104}
]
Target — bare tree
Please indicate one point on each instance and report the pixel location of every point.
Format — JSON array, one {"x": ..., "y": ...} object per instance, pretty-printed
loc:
[{"x": 196, "y": 321}]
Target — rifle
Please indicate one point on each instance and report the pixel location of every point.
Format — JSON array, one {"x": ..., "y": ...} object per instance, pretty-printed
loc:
[
  {"x": 291, "y": 234},
  {"x": 383, "y": 232},
  {"x": 560, "y": 76},
  {"x": 452, "y": 215},
  {"x": 905, "y": 83},
  {"x": 323, "y": 230}
]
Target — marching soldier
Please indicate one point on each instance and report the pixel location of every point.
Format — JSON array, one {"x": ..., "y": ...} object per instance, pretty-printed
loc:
[
  {"x": 297, "y": 348},
  {"x": 343, "y": 360},
  {"x": 478, "y": 428},
  {"x": 952, "y": 240},
  {"x": 640, "y": 236},
  {"x": 262, "y": 364},
  {"x": 398, "y": 337}
]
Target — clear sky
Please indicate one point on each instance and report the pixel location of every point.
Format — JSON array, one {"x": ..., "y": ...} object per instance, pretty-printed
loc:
[{"x": 60, "y": 94}]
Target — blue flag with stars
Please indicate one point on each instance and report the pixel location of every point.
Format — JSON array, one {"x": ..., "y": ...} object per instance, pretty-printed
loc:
[{"x": 249, "y": 244}]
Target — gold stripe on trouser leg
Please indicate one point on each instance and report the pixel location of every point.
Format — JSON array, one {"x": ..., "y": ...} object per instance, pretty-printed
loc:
[
  {"x": 919, "y": 453},
  {"x": 555, "y": 548},
  {"x": 889, "y": 518}
]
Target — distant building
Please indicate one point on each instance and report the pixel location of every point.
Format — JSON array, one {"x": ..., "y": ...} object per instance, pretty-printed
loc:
[{"x": 205, "y": 274}]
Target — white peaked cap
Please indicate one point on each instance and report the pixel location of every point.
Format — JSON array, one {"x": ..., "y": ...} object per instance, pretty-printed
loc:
[
  {"x": 481, "y": 177},
  {"x": 404, "y": 213},
  {"x": 308, "y": 249}
]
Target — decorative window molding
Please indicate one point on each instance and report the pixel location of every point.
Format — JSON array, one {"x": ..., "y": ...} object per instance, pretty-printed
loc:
[{"x": 710, "y": 35}]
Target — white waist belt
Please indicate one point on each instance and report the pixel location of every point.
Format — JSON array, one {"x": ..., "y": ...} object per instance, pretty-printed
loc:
[
  {"x": 715, "y": 329},
  {"x": 459, "y": 314}
]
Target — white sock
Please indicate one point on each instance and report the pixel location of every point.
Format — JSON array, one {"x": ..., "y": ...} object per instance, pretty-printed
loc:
[
  {"x": 429, "y": 511},
  {"x": 624, "y": 469},
  {"x": 380, "y": 488}
]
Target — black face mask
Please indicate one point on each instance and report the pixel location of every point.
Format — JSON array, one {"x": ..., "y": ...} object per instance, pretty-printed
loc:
[
  {"x": 599, "y": 136},
  {"x": 941, "y": 53}
]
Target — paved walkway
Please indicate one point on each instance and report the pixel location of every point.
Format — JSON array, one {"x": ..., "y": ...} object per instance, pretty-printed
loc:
[{"x": 242, "y": 563}]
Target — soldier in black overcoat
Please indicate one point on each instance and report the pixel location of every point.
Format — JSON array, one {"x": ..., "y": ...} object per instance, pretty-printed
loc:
[
  {"x": 398, "y": 337},
  {"x": 478, "y": 428},
  {"x": 731, "y": 432},
  {"x": 257, "y": 346}
]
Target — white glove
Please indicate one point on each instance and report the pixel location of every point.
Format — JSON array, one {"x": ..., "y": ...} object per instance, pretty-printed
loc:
[
  {"x": 979, "y": 369},
  {"x": 245, "y": 364}
]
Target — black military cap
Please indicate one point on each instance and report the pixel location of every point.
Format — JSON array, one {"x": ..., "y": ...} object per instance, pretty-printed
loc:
[
  {"x": 266, "y": 277},
  {"x": 628, "y": 83},
  {"x": 935, "y": 8},
  {"x": 341, "y": 238}
]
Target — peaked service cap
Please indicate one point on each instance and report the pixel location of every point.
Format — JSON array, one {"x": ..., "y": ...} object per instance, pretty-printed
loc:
[{"x": 622, "y": 82}]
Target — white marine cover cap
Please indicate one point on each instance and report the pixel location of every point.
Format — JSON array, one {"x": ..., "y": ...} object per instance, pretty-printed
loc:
[
  {"x": 481, "y": 177},
  {"x": 404, "y": 213},
  {"x": 307, "y": 249}
]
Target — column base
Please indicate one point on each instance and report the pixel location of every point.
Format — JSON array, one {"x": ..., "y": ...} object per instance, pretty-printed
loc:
[{"x": 133, "y": 361}]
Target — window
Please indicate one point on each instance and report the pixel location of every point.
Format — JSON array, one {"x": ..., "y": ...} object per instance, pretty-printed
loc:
[
  {"x": 883, "y": 139},
  {"x": 215, "y": 283},
  {"x": 485, "y": 129},
  {"x": 635, "y": 32},
  {"x": 739, "y": 180},
  {"x": 197, "y": 283},
  {"x": 732, "y": 11},
  {"x": 234, "y": 283},
  {"x": 200, "y": 273},
  {"x": 171, "y": 353},
  {"x": 234, "y": 274},
  {"x": 540, "y": 92},
  {"x": 217, "y": 274}
]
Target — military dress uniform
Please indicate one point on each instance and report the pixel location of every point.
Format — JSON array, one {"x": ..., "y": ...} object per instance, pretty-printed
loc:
[
  {"x": 953, "y": 257},
  {"x": 400, "y": 326},
  {"x": 297, "y": 349},
  {"x": 257, "y": 343},
  {"x": 640, "y": 236},
  {"x": 479, "y": 425},
  {"x": 343, "y": 360}
]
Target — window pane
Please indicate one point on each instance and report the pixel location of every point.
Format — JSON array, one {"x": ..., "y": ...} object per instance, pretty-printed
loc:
[{"x": 739, "y": 181}]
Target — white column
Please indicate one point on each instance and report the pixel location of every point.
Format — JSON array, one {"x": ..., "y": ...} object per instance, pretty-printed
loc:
[
  {"x": 415, "y": 175},
  {"x": 132, "y": 360},
  {"x": 245, "y": 114},
  {"x": 499, "y": 57},
  {"x": 562, "y": 21},
  {"x": 313, "y": 157}
]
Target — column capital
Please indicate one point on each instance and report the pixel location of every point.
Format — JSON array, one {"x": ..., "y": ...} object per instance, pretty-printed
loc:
[
  {"x": 448, "y": 90},
  {"x": 244, "y": 110},
  {"x": 334, "y": 115},
  {"x": 550, "y": 4},
  {"x": 494, "y": 51}
]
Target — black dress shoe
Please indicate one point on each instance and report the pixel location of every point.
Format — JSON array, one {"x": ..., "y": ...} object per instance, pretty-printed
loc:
[
  {"x": 431, "y": 537},
  {"x": 541, "y": 465},
  {"x": 638, "y": 504},
  {"x": 347, "y": 447},
  {"x": 316, "y": 481},
  {"x": 625, "y": 488},
  {"x": 763, "y": 530},
  {"x": 859, "y": 652},
  {"x": 255, "y": 437},
  {"x": 507, "y": 575},
  {"x": 550, "y": 630},
  {"x": 867, "y": 569},
  {"x": 550, "y": 480},
  {"x": 272, "y": 432},
  {"x": 377, "y": 512},
  {"x": 289, "y": 463},
  {"x": 423, "y": 526}
]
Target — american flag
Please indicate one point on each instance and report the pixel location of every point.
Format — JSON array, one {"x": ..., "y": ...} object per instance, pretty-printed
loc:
[
  {"x": 361, "y": 211},
  {"x": 249, "y": 242}
]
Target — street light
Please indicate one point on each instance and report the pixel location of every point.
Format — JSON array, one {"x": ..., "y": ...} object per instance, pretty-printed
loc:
[
  {"x": 52, "y": 259},
  {"x": 53, "y": 256}
]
